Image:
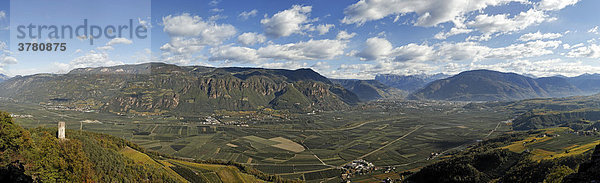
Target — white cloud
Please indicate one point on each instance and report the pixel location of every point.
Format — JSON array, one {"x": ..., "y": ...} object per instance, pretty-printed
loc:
[
  {"x": 591, "y": 51},
  {"x": 593, "y": 30},
  {"x": 182, "y": 46},
  {"x": 105, "y": 48},
  {"x": 90, "y": 59},
  {"x": 5, "y": 60},
  {"x": 287, "y": 22},
  {"x": 2, "y": 15},
  {"x": 503, "y": 23},
  {"x": 216, "y": 10},
  {"x": 529, "y": 49},
  {"x": 247, "y": 14},
  {"x": 285, "y": 65},
  {"x": 459, "y": 12},
  {"x": 209, "y": 33},
  {"x": 453, "y": 31},
  {"x": 144, "y": 56},
  {"x": 216, "y": 17},
  {"x": 114, "y": 41},
  {"x": 413, "y": 52},
  {"x": 189, "y": 35},
  {"x": 251, "y": 38},
  {"x": 550, "y": 5},
  {"x": 229, "y": 53},
  {"x": 462, "y": 51},
  {"x": 474, "y": 51},
  {"x": 181, "y": 51},
  {"x": 483, "y": 37},
  {"x": 539, "y": 36},
  {"x": 145, "y": 22},
  {"x": 343, "y": 35},
  {"x": 541, "y": 68},
  {"x": 214, "y": 2},
  {"x": 430, "y": 13},
  {"x": 376, "y": 48},
  {"x": 324, "y": 28},
  {"x": 8, "y": 60},
  {"x": 381, "y": 49},
  {"x": 119, "y": 40},
  {"x": 304, "y": 50},
  {"x": 567, "y": 46},
  {"x": 321, "y": 66},
  {"x": 368, "y": 71},
  {"x": 82, "y": 37}
]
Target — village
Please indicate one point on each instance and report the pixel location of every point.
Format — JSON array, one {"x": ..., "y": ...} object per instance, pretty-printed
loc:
[{"x": 362, "y": 167}]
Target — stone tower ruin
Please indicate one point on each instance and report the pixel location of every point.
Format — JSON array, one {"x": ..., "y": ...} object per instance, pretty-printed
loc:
[{"x": 61, "y": 130}]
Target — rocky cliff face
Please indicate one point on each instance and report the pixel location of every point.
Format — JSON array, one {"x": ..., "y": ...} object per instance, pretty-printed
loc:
[{"x": 159, "y": 88}]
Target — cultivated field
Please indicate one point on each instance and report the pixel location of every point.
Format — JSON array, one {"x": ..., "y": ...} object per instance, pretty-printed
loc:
[{"x": 305, "y": 146}]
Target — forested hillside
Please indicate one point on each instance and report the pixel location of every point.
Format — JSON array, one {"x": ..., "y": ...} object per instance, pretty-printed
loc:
[
  {"x": 496, "y": 160},
  {"x": 37, "y": 155},
  {"x": 84, "y": 157}
]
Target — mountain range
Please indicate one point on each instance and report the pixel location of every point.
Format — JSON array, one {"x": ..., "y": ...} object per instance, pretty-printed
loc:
[
  {"x": 487, "y": 85},
  {"x": 367, "y": 90},
  {"x": 409, "y": 83},
  {"x": 587, "y": 83},
  {"x": 156, "y": 88}
]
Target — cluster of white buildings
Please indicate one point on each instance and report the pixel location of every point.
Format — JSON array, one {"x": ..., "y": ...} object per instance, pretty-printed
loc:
[
  {"x": 21, "y": 116},
  {"x": 356, "y": 167},
  {"x": 210, "y": 121}
]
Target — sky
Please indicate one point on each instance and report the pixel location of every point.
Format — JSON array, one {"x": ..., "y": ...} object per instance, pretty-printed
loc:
[{"x": 355, "y": 39}]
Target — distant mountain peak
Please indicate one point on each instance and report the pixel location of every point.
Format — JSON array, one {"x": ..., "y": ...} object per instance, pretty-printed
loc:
[
  {"x": 408, "y": 82},
  {"x": 367, "y": 90},
  {"x": 489, "y": 85}
]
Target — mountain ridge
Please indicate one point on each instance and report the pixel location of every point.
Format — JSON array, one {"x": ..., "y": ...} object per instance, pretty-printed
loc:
[
  {"x": 367, "y": 90},
  {"x": 157, "y": 88},
  {"x": 488, "y": 85},
  {"x": 408, "y": 83}
]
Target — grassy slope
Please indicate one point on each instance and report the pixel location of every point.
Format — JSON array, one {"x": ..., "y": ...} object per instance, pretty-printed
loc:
[
  {"x": 545, "y": 148},
  {"x": 146, "y": 160},
  {"x": 504, "y": 159},
  {"x": 211, "y": 172},
  {"x": 225, "y": 173}
]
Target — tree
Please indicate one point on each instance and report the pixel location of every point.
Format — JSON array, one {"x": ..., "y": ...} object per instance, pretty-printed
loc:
[{"x": 558, "y": 173}]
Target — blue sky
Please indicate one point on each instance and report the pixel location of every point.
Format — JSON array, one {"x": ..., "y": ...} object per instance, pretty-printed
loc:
[{"x": 337, "y": 38}]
